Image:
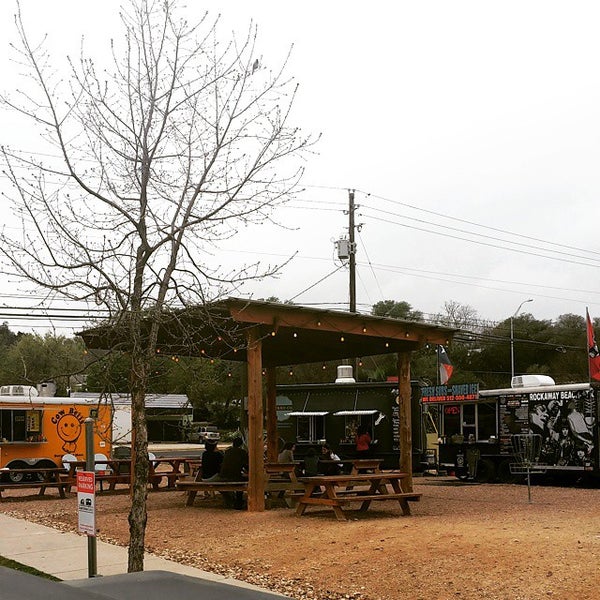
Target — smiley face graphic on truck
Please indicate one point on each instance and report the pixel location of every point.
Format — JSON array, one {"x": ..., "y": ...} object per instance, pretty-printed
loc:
[{"x": 68, "y": 427}]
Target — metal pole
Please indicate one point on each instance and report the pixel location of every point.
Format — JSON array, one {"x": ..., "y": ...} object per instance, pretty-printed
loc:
[{"x": 89, "y": 466}]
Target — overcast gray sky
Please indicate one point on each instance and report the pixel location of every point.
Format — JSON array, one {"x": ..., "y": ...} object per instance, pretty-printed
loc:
[{"x": 470, "y": 131}]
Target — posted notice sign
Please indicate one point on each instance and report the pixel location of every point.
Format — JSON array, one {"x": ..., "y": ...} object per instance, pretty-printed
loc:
[{"x": 86, "y": 501}]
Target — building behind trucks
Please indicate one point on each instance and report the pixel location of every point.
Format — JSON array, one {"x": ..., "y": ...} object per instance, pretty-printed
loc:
[
  {"x": 168, "y": 416},
  {"x": 312, "y": 414},
  {"x": 477, "y": 428},
  {"x": 38, "y": 431}
]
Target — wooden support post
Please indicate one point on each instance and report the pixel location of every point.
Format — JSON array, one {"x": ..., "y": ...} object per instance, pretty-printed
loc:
[
  {"x": 256, "y": 481},
  {"x": 272, "y": 443},
  {"x": 404, "y": 413}
]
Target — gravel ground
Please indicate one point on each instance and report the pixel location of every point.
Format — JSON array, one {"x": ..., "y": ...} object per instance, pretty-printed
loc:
[{"x": 462, "y": 541}]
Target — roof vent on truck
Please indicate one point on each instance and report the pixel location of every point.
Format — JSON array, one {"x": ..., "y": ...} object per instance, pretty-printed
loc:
[
  {"x": 344, "y": 374},
  {"x": 19, "y": 390},
  {"x": 523, "y": 381}
]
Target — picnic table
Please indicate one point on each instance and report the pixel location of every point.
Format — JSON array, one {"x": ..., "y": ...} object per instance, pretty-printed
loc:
[
  {"x": 359, "y": 465},
  {"x": 280, "y": 482},
  {"x": 118, "y": 470},
  {"x": 43, "y": 478},
  {"x": 363, "y": 465},
  {"x": 336, "y": 491}
]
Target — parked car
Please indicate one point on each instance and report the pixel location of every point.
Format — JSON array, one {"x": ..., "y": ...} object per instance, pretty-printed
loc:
[{"x": 201, "y": 433}]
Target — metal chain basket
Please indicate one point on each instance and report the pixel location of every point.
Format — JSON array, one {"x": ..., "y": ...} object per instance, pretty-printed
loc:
[{"x": 526, "y": 452}]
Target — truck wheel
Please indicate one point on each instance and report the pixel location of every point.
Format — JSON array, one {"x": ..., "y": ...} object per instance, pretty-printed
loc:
[
  {"x": 17, "y": 477},
  {"x": 43, "y": 464},
  {"x": 486, "y": 471}
]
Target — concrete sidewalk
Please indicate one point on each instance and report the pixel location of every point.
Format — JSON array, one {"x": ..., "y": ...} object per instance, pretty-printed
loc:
[{"x": 65, "y": 555}]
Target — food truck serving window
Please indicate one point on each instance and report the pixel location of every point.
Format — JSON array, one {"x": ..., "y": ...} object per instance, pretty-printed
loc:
[
  {"x": 310, "y": 426},
  {"x": 476, "y": 419},
  {"x": 20, "y": 425},
  {"x": 353, "y": 420}
]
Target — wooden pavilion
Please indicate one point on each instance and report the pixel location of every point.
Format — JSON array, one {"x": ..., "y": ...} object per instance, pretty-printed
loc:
[{"x": 266, "y": 335}]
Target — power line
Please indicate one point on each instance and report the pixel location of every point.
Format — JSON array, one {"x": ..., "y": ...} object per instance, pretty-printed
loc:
[
  {"x": 488, "y": 244},
  {"x": 316, "y": 283},
  {"x": 467, "y": 222}
]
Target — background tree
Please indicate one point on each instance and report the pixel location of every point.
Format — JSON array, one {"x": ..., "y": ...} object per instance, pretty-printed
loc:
[
  {"x": 457, "y": 315},
  {"x": 34, "y": 359},
  {"x": 163, "y": 155},
  {"x": 396, "y": 310}
]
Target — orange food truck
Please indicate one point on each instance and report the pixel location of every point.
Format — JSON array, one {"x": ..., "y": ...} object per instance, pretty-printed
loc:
[{"x": 37, "y": 432}]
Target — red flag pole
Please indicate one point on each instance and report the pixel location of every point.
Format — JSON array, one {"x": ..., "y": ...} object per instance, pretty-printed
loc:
[{"x": 592, "y": 350}]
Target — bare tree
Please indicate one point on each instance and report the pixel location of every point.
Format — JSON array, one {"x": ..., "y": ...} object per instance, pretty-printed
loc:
[
  {"x": 461, "y": 316},
  {"x": 159, "y": 158}
]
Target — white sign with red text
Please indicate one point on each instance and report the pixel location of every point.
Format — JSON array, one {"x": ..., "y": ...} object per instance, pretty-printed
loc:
[{"x": 86, "y": 501}]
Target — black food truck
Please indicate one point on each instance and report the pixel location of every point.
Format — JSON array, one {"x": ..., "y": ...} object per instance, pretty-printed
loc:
[
  {"x": 478, "y": 429},
  {"x": 312, "y": 414}
]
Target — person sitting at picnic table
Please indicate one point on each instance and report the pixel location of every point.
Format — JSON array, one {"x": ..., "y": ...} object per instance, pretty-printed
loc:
[
  {"x": 287, "y": 454},
  {"x": 311, "y": 463},
  {"x": 363, "y": 442},
  {"x": 233, "y": 468},
  {"x": 212, "y": 459},
  {"x": 329, "y": 461}
]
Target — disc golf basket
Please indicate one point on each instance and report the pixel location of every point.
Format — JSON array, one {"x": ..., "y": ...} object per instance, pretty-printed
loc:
[{"x": 526, "y": 452}]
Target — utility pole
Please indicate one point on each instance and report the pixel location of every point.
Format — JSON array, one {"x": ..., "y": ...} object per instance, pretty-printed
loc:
[{"x": 352, "y": 263}]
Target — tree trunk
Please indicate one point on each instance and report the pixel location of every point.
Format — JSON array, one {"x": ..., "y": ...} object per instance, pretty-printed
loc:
[{"x": 138, "y": 514}]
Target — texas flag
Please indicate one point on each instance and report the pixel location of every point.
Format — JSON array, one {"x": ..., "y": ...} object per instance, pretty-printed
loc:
[
  {"x": 444, "y": 365},
  {"x": 593, "y": 354}
]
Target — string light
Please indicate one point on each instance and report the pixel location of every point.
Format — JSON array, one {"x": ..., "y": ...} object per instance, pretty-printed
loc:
[
  {"x": 291, "y": 372},
  {"x": 342, "y": 338},
  {"x": 295, "y": 334},
  {"x": 324, "y": 366}
]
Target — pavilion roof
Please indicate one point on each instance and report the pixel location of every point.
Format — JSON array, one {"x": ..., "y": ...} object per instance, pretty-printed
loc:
[{"x": 290, "y": 334}]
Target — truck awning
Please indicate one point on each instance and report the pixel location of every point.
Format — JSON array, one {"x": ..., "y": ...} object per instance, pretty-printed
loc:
[
  {"x": 357, "y": 413},
  {"x": 308, "y": 413}
]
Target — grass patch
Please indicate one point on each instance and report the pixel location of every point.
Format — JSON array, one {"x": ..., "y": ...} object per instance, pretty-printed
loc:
[{"x": 13, "y": 564}]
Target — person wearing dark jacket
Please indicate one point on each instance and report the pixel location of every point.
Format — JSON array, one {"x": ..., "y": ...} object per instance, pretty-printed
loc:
[
  {"x": 233, "y": 468},
  {"x": 212, "y": 459},
  {"x": 235, "y": 462},
  {"x": 311, "y": 463}
]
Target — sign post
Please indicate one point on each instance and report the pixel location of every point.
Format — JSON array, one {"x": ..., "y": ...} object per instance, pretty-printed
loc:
[{"x": 86, "y": 498}]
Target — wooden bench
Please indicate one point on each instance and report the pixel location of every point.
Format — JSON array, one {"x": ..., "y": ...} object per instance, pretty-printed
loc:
[
  {"x": 366, "y": 499},
  {"x": 193, "y": 487},
  {"x": 336, "y": 491},
  {"x": 284, "y": 489},
  {"x": 62, "y": 486}
]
